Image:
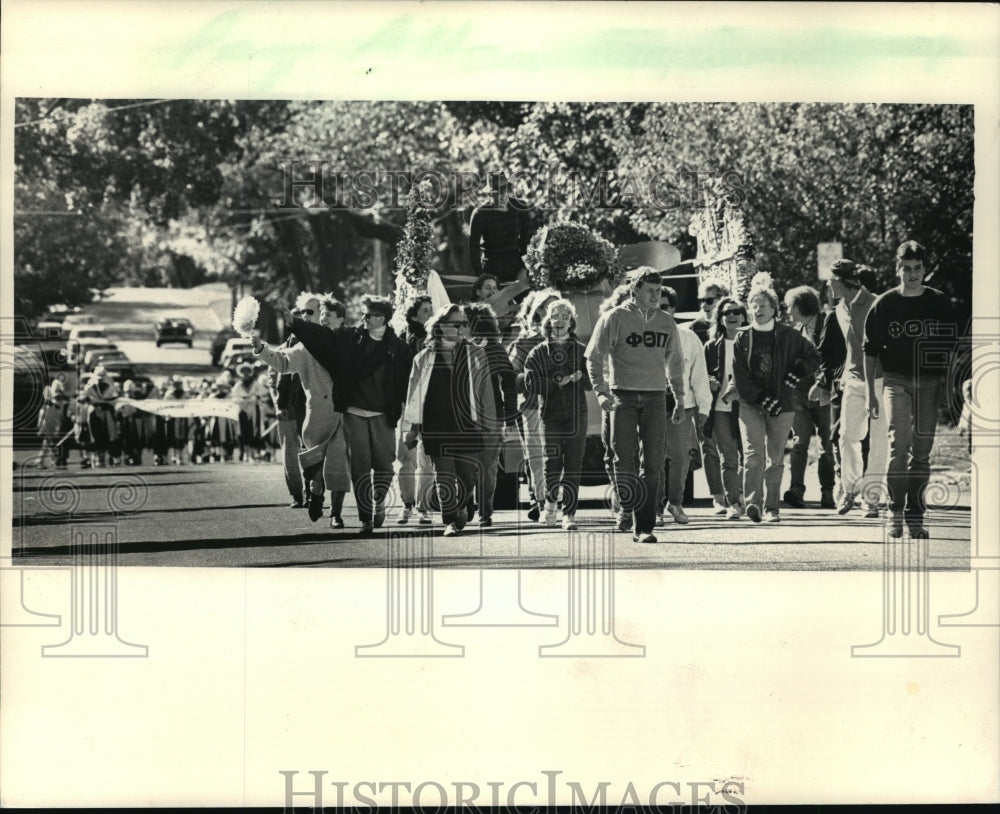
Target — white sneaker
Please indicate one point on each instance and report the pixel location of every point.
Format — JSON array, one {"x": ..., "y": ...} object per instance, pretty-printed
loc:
[
  {"x": 450, "y": 530},
  {"x": 404, "y": 517},
  {"x": 551, "y": 514},
  {"x": 734, "y": 513},
  {"x": 677, "y": 513},
  {"x": 771, "y": 516},
  {"x": 425, "y": 517},
  {"x": 568, "y": 523},
  {"x": 719, "y": 504},
  {"x": 616, "y": 504}
]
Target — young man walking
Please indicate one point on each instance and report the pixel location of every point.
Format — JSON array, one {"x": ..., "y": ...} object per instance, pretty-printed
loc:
[
  {"x": 906, "y": 331},
  {"x": 855, "y": 301},
  {"x": 643, "y": 350}
]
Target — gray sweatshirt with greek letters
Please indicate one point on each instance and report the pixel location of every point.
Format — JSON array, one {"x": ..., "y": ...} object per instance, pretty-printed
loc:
[{"x": 643, "y": 350}]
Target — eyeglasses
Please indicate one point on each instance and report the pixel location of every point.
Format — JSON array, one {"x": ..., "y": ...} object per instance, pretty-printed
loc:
[
  {"x": 370, "y": 316},
  {"x": 461, "y": 324},
  {"x": 739, "y": 312},
  {"x": 708, "y": 300},
  {"x": 307, "y": 312}
]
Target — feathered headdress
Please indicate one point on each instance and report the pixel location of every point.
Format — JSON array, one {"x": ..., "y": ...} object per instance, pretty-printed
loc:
[
  {"x": 762, "y": 279},
  {"x": 245, "y": 316}
]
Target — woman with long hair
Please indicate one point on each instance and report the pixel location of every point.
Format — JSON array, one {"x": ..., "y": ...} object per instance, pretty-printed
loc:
[
  {"x": 556, "y": 372},
  {"x": 484, "y": 333},
  {"x": 722, "y": 425},
  {"x": 532, "y": 435},
  {"x": 449, "y": 407},
  {"x": 770, "y": 361}
]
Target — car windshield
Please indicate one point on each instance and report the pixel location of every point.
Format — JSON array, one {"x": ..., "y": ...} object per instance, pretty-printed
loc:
[{"x": 91, "y": 333}]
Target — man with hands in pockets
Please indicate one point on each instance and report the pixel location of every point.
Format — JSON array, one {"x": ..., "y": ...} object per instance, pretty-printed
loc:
[{"x": 644, "y": 353}]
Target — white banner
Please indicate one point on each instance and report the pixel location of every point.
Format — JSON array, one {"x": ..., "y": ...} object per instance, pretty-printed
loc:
[{"x": 186, "y": 408}]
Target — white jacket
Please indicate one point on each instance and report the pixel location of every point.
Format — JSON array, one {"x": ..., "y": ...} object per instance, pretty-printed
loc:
[{"x": 697, "y": 392}]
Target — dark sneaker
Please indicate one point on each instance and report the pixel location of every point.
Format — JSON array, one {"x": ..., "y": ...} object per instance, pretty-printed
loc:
[
  {"x": 625, "y": 520},
  {"x": 918, "y": 531},
  {"x": 896, "y": 528},
  {"x": 827, "y": 501},
  {"x": 793, "y": 499},
  {"x": 753, "y": 512},
  {"x": 647, "y": 537},
  {"x": 534, "y": 512},
  {"x": 336, "y": 522}
]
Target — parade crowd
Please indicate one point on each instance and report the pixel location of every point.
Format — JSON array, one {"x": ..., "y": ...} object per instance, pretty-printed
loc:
[{"x": 439, "y": 392}]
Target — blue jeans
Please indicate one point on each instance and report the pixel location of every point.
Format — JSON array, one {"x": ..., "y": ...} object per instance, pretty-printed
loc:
[
  {"x": 764, "y": 439},
  {"x": 372, "y": 443},
  {"x": 725, "y": 434},
  {"x": 809, "y": 418},
  {"x": 565, "y": 441},
  {"x": 638, "y": 415},
  {"x": 681, "y": 446},
  {"x": 912, "y": 410}
]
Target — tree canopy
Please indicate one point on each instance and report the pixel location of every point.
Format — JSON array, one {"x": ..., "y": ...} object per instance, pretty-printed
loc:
[{"x": 177, "y": 192}]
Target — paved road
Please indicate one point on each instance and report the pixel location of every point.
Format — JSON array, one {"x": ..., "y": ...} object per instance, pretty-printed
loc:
[{"x": 238, "y": 515}]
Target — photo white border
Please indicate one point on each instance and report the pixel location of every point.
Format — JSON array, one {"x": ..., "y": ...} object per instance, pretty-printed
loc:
[{"x": 747, "y": 676}]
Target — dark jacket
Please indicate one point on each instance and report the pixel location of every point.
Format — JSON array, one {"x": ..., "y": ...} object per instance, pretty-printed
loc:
[
  {"x": 547, "y": 365},
  {"x": 341, "y": 353},
  {"x": 518, "y": 355},
  {"x": 715, "y": 364},
  {"x": 793, "y": 353},
  {"x": 832, "y": 349},
  {"x": 502, "y": 377},
  {"x": 415, "y": 337}
]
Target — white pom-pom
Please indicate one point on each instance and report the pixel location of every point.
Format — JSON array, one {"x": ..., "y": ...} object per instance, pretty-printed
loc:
[
  {"x": 762, "y": 279},
  {"x": 245, "y": 316}
]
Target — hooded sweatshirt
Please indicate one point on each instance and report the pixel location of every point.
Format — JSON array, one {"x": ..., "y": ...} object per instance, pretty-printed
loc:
[{"x": 643, "y": 349}]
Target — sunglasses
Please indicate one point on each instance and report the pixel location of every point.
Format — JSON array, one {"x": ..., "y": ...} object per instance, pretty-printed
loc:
[
  {"x": 708, "y": 300},
  {"x": 739, "y": 312},
  {"x": 307, "y": 312},
  {"x": 370, "y": 316}
]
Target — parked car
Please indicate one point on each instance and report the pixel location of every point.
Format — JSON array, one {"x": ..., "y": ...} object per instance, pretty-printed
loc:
[
  {"x": 80, "y": 334},
  {"x": 237, "y": 346},
  {"x": 102, "y": 356},
  {"x": 49, "y": 329},
  {"x": 120, "y": 370},
  {"x": 219, "y": 343},
  {"x": 174, "y": 329},
  {"x": 72, "y": 320}
]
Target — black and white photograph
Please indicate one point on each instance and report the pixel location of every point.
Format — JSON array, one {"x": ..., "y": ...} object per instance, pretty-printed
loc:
[{"x": 337, "y": 405}]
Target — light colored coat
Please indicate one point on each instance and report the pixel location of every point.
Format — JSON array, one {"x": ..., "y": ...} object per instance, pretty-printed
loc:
[
  {"x": 323, "y": 431},
  {"x": 321, "y": 420},
  {"x": 481, "y": 401},
  {"x": 697, "y": 392}
]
